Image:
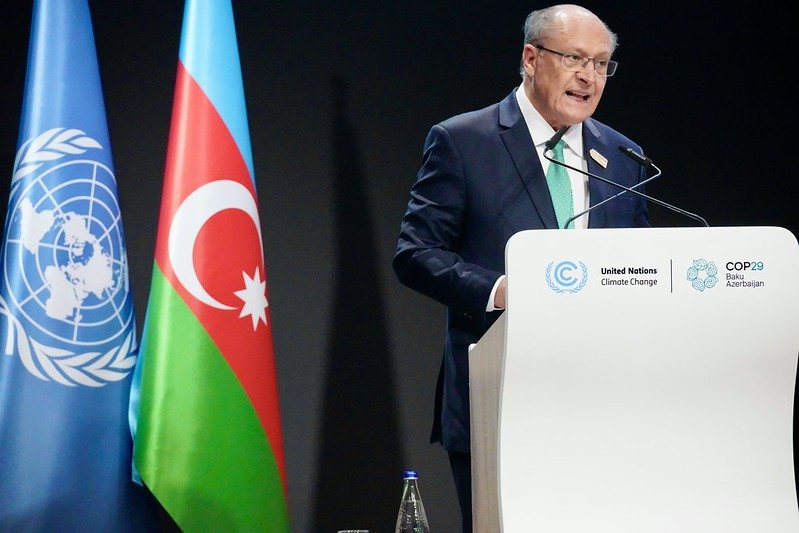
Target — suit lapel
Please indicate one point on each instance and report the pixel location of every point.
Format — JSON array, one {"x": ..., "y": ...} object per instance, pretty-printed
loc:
[
  {"x": 598, "y": 191},
  {"x": 519, "y": 144}
]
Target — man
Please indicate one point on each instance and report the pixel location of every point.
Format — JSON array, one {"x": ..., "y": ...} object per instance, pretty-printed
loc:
[{"x": 484, "y": 178}]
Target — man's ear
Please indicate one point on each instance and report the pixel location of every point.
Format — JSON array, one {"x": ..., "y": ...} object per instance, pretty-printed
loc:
[{"x": 529, "y": 57}]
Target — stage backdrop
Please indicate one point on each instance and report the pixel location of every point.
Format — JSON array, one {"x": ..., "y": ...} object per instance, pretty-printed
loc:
[{"x": 340, "y": 97}]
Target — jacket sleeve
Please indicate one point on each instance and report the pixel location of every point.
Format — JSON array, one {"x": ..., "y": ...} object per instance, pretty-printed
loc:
[{"x": 432, "y": 231}]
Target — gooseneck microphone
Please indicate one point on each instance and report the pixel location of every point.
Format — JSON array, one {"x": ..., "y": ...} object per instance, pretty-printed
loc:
[
  {"x": 550, "y": 144},
  {"x": 635, "y": 156},
  {"x": 640, "y": 159},
  {"x": 632, "y": 154},
  {"x": 646, "y": 162}
]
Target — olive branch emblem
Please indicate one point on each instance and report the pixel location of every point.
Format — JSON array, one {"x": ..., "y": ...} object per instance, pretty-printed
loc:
[
  {"x": 92, "y": 369},
  {"x": 48, "y": 363},
  {"x": 53, "y": 144}
]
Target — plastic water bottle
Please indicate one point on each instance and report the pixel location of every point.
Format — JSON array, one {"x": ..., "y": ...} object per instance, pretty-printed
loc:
[{"x": 411, "y": 517}]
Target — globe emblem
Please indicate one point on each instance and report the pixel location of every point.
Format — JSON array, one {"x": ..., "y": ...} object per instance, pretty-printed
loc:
[
  {"x": 64, "y": 298},
  {"x": 65, "y": 263},
  {"x": 566, "y": 276}
]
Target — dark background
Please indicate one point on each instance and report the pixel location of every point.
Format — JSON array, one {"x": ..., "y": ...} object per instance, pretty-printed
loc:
[{"x": 340, "y": 97}]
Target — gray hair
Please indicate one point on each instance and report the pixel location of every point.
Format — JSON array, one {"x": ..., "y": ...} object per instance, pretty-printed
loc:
[{"x": 540, "y": 23}]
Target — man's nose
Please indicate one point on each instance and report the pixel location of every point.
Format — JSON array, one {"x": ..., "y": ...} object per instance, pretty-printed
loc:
[{"x": 588, "y": 72}]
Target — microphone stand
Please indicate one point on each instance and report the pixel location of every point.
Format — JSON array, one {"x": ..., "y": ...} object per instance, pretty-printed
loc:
[{"x": 625, "y": 189}]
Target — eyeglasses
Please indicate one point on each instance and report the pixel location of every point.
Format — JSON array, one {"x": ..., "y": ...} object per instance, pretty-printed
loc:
[{"x": 576, "y": 63}]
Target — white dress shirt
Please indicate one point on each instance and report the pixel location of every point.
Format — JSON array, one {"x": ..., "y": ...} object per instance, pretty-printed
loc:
[{"x": 541, "y": 132}]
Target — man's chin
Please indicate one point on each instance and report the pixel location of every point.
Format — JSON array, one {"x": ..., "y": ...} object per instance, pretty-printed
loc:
[{"x": 577, "y": 116}]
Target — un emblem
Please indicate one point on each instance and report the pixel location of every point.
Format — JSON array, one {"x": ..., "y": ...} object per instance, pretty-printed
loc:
[
  {"x": 65, "y": 289},
  {"x": 565, "y": 276}
]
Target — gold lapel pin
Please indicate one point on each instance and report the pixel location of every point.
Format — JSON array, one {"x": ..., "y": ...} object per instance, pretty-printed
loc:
[{"x": 599, "y": 158}]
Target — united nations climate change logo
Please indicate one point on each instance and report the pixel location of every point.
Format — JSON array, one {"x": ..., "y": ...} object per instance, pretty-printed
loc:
[
  {"x": 566, "y": 276},
  {"x": 702, "y": 275},
  {"x": 64, "y": 292}
]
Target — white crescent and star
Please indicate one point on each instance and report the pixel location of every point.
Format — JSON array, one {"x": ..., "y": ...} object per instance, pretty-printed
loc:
[{"x": 198, "y": 207}]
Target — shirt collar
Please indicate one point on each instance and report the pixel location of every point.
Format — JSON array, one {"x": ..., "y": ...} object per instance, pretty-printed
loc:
[{"x": 541, "y": 131}]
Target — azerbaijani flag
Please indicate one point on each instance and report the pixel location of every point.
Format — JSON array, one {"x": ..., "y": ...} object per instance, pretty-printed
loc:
[{"x": 205, "y": 406}]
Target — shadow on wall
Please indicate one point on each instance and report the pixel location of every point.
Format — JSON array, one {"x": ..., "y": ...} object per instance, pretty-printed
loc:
[{"x": 361, "y": 454}]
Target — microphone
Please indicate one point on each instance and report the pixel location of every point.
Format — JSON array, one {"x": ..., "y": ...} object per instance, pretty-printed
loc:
[
  {"x": 635, "y": 156},
  {"x": 646, "y": 162},
  {"x": 638, "y": 158},
  {"x": 550, "y": 144},
  {"x": 629, "y": 152}
]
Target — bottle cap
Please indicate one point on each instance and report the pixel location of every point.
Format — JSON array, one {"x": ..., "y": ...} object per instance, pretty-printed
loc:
[{"x": 410, "y": 474}]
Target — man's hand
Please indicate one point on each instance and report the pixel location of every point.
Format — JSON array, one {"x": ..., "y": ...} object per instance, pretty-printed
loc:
[{"x": 499, "y": 296}]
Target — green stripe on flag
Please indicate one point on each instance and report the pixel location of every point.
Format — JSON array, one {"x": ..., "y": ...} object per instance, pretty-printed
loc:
[{"x": 200, "y": 447}]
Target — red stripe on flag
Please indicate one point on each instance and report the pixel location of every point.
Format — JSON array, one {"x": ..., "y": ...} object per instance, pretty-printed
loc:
[{"x": 227, "y": 247}]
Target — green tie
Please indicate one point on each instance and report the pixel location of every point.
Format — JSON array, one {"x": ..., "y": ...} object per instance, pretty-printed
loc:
[{"x": 560, "y": 188}]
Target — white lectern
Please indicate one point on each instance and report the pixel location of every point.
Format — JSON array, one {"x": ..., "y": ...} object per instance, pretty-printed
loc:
[{"x": 641, "y": 380}]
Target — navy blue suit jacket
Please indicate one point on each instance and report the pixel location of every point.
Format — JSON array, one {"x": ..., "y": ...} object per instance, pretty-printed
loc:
[{"x": 480, "y": 182}]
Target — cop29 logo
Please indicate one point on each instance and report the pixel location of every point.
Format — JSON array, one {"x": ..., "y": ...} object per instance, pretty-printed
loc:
[
  {"x": 566, "y": 276},
  {"x": 702, "y": 274}
]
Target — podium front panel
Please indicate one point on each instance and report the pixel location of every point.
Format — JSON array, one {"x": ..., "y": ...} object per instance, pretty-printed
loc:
[{"x": 648, "y": 381}]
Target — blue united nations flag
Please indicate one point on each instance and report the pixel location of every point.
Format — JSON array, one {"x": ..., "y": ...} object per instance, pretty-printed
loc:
[{"x": 67, "y": 328}]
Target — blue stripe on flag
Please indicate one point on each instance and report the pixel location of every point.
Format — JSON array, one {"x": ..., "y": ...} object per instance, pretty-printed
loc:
[{"x": 208, "y": 50}]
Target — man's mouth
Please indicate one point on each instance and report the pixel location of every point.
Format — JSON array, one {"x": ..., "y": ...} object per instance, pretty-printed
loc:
[{"x": 578, "y": 96}]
